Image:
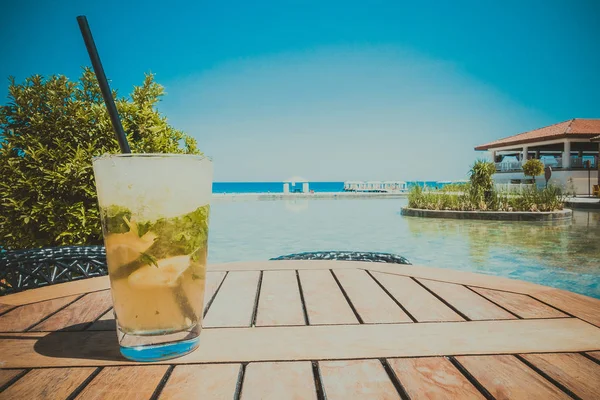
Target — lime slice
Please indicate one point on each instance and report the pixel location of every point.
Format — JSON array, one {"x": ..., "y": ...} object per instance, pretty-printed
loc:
[
  {"x": 123, "y": 248},
  {"x": 164, "y": 274}
]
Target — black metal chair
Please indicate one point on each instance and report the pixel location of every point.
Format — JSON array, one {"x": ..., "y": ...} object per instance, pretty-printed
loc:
[
  {"x": 347, "y": 256},
  {"x": 28, "y": 269}
]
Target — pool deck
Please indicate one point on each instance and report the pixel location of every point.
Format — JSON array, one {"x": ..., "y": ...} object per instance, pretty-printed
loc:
[
  {"x": 315, "y": 330},
  {"x": 553, "y": 216},
  {"x": 584, "y": 203}
]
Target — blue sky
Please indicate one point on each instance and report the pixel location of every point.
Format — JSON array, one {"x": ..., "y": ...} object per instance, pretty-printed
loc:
[{"x": 335, "y": 90}]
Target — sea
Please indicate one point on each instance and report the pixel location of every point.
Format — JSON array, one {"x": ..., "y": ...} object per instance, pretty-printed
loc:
[{"x": 277, "y": 187}]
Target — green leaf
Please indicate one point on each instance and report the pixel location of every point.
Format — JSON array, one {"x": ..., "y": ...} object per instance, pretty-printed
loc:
[{"x": 148, "y": 259}]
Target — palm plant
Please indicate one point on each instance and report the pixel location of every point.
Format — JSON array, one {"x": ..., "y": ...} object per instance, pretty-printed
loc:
[{"x": 481, "y": 175}]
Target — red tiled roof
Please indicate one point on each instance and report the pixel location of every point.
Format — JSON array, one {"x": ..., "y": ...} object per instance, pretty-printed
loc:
[{"x": 583, "y": 128}]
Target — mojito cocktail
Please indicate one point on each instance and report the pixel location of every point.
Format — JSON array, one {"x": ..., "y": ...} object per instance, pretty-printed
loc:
[{"x": 154, "y": 210}]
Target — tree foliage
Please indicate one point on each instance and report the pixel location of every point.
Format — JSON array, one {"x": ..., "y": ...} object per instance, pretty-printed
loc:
[
  {"x": 49, "y": 131},
  {"x": 533, "y": 167},
  {"x": 481, "y": 175}
]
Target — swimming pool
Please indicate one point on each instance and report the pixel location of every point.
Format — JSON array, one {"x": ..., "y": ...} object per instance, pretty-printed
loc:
[{"x": 565, "y": 256}]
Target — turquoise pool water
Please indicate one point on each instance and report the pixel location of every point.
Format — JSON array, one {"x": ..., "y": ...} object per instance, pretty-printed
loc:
[{"x": 565, "y": 256}]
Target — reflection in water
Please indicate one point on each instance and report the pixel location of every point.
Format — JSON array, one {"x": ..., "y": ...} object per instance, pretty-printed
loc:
[
  {"x": 296, "y": 205},
  {"x": 572, "y": 245},
  {"x": 565, "y": 255}
]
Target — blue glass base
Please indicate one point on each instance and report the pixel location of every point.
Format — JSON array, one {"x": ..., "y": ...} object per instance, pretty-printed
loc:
[{"x": 158, "y": 352}]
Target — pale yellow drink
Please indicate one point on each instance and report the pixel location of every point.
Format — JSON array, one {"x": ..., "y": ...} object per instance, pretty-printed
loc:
[{"x": 154, "y": 211}]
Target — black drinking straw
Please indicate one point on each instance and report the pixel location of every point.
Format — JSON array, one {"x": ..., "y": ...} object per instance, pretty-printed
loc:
[
  {"x": 184, "y": 304},
  {"x": 104, "y": 88}
]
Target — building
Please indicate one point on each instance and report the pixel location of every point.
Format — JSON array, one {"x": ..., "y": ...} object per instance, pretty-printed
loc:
[
  {"x": 375, "y": 186},
  {"x": 569, "y": 148},
  {"x": 295, "y": 185}
]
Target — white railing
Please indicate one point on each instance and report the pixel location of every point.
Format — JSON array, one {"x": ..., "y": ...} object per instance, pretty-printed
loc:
[
  {"x": 508, "y": 166},
  {"x": 375, "y": 186},
  {"x": 513, "y": 187}
]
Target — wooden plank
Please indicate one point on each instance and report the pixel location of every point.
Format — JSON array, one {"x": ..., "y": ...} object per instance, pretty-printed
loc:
[
  {"x": 520, "y": 304},
  {"x": 421, "y": 304},
  {"x": 210, "y": 382},
  {"x": 213, "y": 280},
  {"x": 78, "y": 315},
  {"x": 325, "y": 302},
  {"x": 51, "y": 383},
  {"x": 301, "y": 343},
  {"x": 595, "y": 354},
  {"x": 59, "y": 290},
  {"x": 279, "y": 302},
  {"x": 577, "y": 373},
  {"x": 370, "y": 301},
  {"x": 234, "y": 304},
  {"x": 124, "y": 383},
  {"x": 6, "y": 307},
  {"x": 105, "y": 323},
  {"x": 505, "y": 377},
  {"x": 583, "y": 307},
  {"x": 453, "y": 276},
  {"x": 284, "y": 265},
  {"x": 464, "y": 300},
  {"x": 356, "y": 379},
  {"x": 432, "y": 378},
  {"x": 7, "y": 374},
  {"x": 417, "y": 271},
  {"x": 445, "y": 274},
  {"x": 279, "y": 380},
  {"x": 586, "y": 308},
  {"x": 23, "y": 317}
]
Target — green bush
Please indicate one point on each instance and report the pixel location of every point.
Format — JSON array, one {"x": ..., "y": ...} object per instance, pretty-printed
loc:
[
  {"x": 456, "y": 187},
  {"x": 49, "y": 131},
  {"x": 533, "y": 199},
  {"x": 417, "y": 198},
  {"x": 481, "y": 182}
]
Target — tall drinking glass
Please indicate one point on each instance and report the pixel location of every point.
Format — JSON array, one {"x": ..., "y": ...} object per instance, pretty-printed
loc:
[{"x": 154, "y": 210}]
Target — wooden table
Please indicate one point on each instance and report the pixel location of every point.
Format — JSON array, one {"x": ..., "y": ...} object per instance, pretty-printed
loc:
[{"x": 315, "y": 330}]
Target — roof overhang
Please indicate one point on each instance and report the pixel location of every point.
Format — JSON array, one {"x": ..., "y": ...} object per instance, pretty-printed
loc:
[{"x": 540, "y": 141}]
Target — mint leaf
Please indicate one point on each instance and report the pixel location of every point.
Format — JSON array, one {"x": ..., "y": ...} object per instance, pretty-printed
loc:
[
  {"x": 114, "y": 218},
  {"x": 148, "y": 259},
  {"x": 143, "y": 228},
  {"x": 184, "y": 235}
]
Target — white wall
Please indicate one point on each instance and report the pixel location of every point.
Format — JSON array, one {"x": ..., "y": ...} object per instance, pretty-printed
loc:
[{"x": 559, "y": 178}]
